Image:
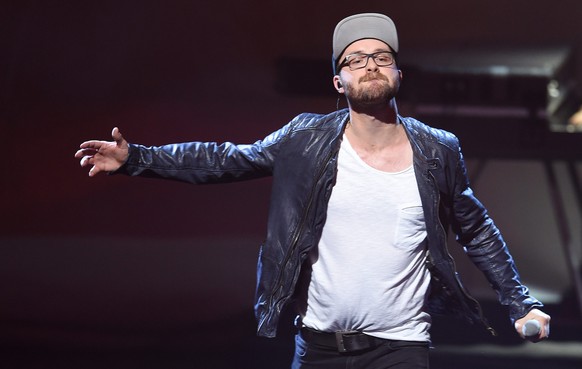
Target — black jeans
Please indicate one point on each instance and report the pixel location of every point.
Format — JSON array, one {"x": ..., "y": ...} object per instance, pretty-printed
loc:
[{"x": 391, "y": 355}]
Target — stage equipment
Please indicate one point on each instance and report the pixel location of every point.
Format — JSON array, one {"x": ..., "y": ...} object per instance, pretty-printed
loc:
[{"x": 537, "y": 84}]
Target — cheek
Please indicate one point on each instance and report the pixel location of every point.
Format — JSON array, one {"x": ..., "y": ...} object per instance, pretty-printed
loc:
[
  {"x": 346, "y": 78},
  {"x": 350, "y": 83}
]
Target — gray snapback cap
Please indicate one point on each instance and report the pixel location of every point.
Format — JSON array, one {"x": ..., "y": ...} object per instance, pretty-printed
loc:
[{"x": 360, "y": 26}]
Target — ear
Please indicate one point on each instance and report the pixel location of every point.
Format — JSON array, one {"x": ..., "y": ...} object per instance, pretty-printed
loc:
[{"x": 337, "y": 84}]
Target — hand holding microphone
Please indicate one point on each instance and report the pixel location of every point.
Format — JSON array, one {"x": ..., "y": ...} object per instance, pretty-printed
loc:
[{"x": 535, "y": 326}]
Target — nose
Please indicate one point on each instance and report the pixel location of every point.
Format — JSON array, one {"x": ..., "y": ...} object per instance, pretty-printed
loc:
[{"x": 371, "y": 64}]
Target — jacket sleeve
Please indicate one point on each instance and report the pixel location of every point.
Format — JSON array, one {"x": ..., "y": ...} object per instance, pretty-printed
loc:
[
  {"x": 486, "y": 247},
  {"x": 205, "y": 162}
]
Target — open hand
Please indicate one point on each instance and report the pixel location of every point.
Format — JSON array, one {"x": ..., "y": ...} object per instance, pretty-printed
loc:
[{"x": 104, "y": 156}]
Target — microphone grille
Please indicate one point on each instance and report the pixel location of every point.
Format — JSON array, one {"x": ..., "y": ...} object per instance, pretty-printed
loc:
[{"x": 531, "y": 328}]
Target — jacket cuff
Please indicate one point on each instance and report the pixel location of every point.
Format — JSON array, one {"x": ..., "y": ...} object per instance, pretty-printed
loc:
[{"x": 520, "y": 310}]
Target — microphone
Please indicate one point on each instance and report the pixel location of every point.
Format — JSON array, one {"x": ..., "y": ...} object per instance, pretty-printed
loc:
[{"x": 531, "y": 328}]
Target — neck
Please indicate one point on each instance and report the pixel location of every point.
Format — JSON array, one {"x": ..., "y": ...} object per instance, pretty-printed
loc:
[
  {"x": 384, "y": 113},
  {"x": 376, "y": 126}
]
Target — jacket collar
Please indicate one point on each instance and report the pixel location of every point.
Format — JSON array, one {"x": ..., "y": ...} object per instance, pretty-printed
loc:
[{"x": 420, "y": 152}]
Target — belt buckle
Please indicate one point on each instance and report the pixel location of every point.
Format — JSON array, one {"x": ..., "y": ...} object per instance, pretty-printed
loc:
[{"x": 339, "y": 339}]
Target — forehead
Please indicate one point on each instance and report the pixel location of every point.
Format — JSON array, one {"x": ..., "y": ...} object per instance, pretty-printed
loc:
[{"x": 368, "y": 45}]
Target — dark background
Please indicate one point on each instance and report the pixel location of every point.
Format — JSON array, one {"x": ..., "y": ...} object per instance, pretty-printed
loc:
[{"x": 112, "y": 265}]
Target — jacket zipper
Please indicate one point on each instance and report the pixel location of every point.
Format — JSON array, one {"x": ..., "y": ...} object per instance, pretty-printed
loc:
[{"x": 295, "y": 239}]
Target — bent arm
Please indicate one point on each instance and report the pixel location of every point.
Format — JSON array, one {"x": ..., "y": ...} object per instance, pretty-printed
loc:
[{"x": 487, "y": 249}]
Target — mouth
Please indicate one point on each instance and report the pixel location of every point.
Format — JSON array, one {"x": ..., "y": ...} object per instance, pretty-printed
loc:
[
  {"x": 375, "y": 82},
  {"x": 373, "y": 77}
]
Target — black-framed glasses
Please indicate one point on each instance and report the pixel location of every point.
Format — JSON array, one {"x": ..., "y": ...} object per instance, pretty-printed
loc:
[{"x": 360, "y": 60}]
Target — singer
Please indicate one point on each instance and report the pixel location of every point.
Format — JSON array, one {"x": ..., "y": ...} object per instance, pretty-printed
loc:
[{"x": 362, "y": 200}]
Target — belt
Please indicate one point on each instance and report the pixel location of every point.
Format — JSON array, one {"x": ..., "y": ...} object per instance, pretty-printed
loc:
[{"x": 349, "y": 341}]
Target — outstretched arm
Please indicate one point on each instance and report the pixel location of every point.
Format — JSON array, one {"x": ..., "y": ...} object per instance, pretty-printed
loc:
[{"x": 104, "y": 156}]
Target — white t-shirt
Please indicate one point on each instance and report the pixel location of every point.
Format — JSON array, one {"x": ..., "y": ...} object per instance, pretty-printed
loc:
[{"x": 368, "y": 271}]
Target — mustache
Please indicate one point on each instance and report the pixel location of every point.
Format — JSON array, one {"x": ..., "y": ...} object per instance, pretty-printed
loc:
[{"x": 372, "y": 76}]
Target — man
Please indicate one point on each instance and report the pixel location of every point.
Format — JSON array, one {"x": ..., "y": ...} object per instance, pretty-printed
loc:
[{"x": 361, "y": 201}]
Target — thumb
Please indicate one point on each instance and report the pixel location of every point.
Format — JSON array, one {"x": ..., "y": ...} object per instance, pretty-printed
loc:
[{"x": 117, "y": 136}]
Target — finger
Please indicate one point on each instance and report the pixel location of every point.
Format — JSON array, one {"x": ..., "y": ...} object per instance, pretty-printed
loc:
[
  {"x": 93, "y": 144},
  {"x": 518, "y": 329},
  {"x": 85, "y": 152},
  {"x": 86, "y": 160},
  {"x": 93, "y": 171},
  {"x": 547, "y": 330},
  {"x": 117, "y": 136}
]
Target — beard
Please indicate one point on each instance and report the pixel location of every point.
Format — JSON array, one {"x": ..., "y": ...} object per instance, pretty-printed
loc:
[{"x": 374, "y": 94}]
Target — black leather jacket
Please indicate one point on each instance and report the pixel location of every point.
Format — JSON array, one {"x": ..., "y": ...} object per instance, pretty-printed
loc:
[{"x": 302, "y": 159}]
